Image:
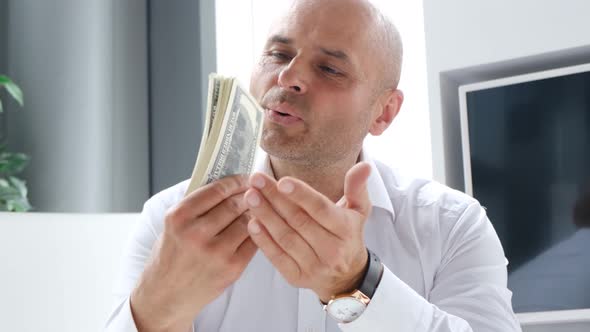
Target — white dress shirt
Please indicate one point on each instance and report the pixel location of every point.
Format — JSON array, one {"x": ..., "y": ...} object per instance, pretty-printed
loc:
[{"x": 445, "y": 269}]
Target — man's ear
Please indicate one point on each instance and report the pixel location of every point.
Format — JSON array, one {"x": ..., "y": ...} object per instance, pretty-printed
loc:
[{"x": 388, "y": 107}]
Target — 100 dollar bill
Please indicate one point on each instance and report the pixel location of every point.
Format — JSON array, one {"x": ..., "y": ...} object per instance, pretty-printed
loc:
[{"x": 231, "y": 135}]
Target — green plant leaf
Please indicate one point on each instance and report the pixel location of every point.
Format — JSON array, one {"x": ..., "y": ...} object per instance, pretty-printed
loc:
[
  {"x": 19, "y": 184},
  {"x": 13, "y": 197},
  {"x": 12, "y": 163},
  {"x": 12, "y": 89},
  {"x": 1, "y": 109},
  {"x": 18, "y": 205},
  {"x": 9, "y": 193}
]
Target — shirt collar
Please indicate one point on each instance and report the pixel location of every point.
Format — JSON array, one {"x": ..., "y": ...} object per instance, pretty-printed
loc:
[{"x": 377, "y": 191}]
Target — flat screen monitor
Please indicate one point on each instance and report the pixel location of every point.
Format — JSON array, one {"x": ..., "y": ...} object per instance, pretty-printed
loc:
[{"x": 526, "y": 158}]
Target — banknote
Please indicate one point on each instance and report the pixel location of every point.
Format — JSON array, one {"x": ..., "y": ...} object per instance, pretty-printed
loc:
[
  {"x": 214, "y": 91},
  {"x": 231, "y": 135}
]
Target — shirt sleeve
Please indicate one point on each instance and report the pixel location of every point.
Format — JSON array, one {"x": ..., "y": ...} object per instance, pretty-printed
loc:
[
  {"x": 138, "y": 250},
  {"x": 121, "y": 319},
  {"x": 469, "y": 292}
]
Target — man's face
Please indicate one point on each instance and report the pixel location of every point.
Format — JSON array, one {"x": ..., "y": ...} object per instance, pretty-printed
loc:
[{"x": 316, "y": 81}]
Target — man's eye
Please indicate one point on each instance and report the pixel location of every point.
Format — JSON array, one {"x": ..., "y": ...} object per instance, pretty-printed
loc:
[
  {"x": 279, "y": 55},
  {"x": 329, "y": 70}
]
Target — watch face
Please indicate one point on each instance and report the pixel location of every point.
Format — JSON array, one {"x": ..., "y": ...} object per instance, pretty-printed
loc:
[{"x": 345, "y": 309}]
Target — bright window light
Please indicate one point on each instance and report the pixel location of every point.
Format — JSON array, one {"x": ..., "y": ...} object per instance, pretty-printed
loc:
[{"x": 242, "y": 28}]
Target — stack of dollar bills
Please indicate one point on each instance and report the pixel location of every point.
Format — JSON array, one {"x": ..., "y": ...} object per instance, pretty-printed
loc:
[{"x": 231, "y": 135}]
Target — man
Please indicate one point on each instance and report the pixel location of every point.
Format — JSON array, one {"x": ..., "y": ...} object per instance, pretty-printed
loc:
[{"x": 257, "y": 254}]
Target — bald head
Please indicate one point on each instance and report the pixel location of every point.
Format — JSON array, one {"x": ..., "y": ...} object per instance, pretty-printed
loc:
[
  {"x": 383, "y": 37},
  {"x": 390, "y": 48}
]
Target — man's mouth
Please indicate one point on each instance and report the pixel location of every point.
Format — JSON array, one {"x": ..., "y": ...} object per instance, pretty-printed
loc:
[{"x": 281, "y": 117}]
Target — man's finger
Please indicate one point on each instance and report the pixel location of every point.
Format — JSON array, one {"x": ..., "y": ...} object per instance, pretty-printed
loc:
[
  {"x": 245, "y": 251},
  {"x": 219, "y": 217},
  {"x": 284, "y": 235},
  {"x": 205, "y": 198},
  {"x": 275, "y": 254},
  {"x": 356, "y": 193},
  {"x": 314, "y": 233},
  {"x": 267, "y": 186},
  {"x": 231, "y": 238},
  {"x": 317, "y": 206}
]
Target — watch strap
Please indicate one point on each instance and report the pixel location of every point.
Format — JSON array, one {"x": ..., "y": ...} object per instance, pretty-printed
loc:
[{"x": 372, "y": 275}]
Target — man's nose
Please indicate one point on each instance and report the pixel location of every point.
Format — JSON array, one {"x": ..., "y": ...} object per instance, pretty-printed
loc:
[{"x": 292, "y": 77}]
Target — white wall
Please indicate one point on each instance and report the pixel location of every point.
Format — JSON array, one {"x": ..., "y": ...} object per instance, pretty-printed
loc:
[
  {"x": 57, "y": 271},
  {"x": 467, "y": 33}
]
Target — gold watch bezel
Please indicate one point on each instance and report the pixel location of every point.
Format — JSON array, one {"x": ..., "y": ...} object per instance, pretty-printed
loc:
[{"x": 354, "y": 295}]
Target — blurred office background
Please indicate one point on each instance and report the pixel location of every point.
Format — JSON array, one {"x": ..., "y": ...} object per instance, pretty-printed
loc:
[
  {"x": 114, "y": 98},
  {"x": 115, "y": 92}
]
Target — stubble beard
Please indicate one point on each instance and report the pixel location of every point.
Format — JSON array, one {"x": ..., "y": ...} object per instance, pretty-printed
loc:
[
  {"x": 304, "y": 150},
  {"x": 312, "y": 148}
]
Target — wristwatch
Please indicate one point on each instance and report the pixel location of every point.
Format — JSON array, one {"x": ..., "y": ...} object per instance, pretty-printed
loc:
[{"x": 346, "y": 307}]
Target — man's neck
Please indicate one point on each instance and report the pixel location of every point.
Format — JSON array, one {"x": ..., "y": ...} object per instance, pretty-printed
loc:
[{"x": 326, "y": 179}]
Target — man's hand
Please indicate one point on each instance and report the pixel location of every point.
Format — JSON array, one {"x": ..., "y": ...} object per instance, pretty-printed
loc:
[
  {"x": 313, "y": 242},
  {"x": 204, "y": 248}
]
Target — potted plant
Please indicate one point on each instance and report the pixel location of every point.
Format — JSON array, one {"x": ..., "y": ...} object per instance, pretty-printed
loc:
[{"x": 13, "y": 190}]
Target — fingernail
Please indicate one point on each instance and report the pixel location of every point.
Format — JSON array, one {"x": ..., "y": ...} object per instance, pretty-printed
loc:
[
  {"x": 253, "y": 227},
  {"x": 252, "y": 199},
  {"x": 286, "y": 187},
  {"x": 258, "y": 181}
]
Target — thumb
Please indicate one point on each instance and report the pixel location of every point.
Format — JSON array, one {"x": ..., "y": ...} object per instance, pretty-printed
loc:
[{"x": 356, "y": 195}]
